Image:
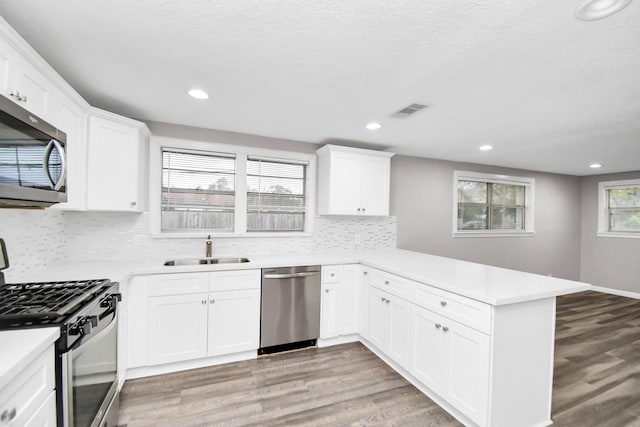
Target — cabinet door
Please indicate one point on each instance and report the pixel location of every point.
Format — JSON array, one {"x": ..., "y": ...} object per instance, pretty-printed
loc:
[
  {"x": 35, "y": 90},
  {"x": 468, "y": 381},
  {"x": 379, "y": 327},
  {"x": 363, "y": 301},
  {"x": 345, "y": 179},
  {"x": 177, "y": 328},
  {"x": 399, "y": 347},
  {"x": 374, "y": 186},
  {"x": 71, "y": 118},
  {"x": 349, "y": 300},
  {"x": 113, "y": 171},
  {"x": 330, "y": 310},
  {"x": 234, "y": 322},
  {"x": 429, "y": 348},
  {"x": 45, "y": 416}
]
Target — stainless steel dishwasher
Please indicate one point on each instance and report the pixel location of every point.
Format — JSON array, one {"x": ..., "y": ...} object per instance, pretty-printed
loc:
[{"x": 290, "y": 308}]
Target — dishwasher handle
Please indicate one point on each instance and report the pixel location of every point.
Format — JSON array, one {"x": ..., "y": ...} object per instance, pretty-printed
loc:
[{"x": 291, "y": 275}]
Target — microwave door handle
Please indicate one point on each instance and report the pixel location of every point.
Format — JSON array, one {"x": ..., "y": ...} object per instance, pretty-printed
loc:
[{"x": 45, "y": 164}]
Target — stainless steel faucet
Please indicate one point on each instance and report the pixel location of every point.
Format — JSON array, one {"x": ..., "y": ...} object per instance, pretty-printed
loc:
[{"x": 207, "y": 253}]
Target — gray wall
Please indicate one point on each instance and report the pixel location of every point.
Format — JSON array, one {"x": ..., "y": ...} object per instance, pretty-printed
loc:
[
  {"x": 233, "y": 138},
  {"x": 610, "y": 262},
  {"x": 422, "y": 199}
]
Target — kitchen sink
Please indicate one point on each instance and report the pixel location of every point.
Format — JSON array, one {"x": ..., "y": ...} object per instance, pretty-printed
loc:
[{"x": 203, "y": 261}]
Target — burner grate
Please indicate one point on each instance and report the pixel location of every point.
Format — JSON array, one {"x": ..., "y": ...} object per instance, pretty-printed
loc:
[{"x": 39, "y": 302}]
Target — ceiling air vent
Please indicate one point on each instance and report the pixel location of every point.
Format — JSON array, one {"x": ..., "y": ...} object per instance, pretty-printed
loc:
[{"x": 409, "y": 110}]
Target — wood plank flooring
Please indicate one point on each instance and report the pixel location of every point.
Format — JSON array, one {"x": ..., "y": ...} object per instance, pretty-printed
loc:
[
  {"x": 596, "y": 382},
  {"x": 597, "y": 361}
]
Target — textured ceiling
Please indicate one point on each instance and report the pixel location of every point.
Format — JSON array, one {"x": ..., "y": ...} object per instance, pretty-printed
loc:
[{"x": 551, "y": 93}]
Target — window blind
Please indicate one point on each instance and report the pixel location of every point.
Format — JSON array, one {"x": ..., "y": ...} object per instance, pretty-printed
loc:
[
  {"x": 275, "y": 195},
  {"x": 198, "y": 191}
]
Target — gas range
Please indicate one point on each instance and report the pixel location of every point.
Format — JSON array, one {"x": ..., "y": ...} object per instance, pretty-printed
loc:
[{"x": 46, "y": 303}]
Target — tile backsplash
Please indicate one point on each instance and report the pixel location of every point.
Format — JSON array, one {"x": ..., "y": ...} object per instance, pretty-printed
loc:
[{"x": 36, "y": 238}]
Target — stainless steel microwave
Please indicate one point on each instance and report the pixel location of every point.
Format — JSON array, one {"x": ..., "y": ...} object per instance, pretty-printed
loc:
[{"x": 33, "y": 167}]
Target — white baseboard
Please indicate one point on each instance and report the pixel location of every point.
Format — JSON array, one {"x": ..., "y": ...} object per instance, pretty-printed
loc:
[
  {"x": 342, "y": 339},
  {"x": 618, "y": 292}
]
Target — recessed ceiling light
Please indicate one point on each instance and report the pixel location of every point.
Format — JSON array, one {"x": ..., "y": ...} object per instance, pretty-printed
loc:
[
  {"x": 486, "y": 147},
  {"x": 373, "y": 126},
  {"x": 592, "y": 10},
  {"x": 595, "y": 165},
  {"x": 198, "y": 94}
]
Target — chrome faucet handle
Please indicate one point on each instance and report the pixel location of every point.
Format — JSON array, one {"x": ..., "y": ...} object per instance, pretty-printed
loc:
[{"x": 207, "y": 253}]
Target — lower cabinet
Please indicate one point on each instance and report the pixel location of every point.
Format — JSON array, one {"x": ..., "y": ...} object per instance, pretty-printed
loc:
[
  {"x": 177, "y": 328},
  {"x": 339, "y": 300},
  {"x": 453, "y": 361},
  {"x": 390, "y": 325},
  {"x": 233, "y": 316},
  {"x": 196, "y": 315}
]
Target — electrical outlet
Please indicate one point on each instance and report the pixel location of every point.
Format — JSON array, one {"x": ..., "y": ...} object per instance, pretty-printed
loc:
[
  {"x": 358, "y": 239},
  {"x": 139, "y": 239}
]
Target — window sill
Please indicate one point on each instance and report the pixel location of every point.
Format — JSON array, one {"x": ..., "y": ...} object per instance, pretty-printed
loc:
[
  {"x": 203, "y": 235},
  {"x": 496, "y": 233},
  {"x": 622, "y": 235}
]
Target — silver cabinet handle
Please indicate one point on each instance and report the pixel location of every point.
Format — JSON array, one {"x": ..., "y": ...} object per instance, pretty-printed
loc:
[
  {"x": 8, "y": 415},
  {"x": 443, "y": 303},
  {"x": 363, "y": 209},
  {"x": 438, "y": 325},
  {"x": 290, "y": 275},
  {"x": 386, "y": 282},
  {"x": 204, "y": 301},
  {"x": 365, "y": 272},
  {"x": 388, "y": 301},
  {"x": 212, "y": 301},
  {"x": 358, "y": 209},
  {"x": 383, "y": 299},
  {"x": 134, "y": 203},
  {"x": 445, "y": 329},
  {"x": 327, "y": 290}
]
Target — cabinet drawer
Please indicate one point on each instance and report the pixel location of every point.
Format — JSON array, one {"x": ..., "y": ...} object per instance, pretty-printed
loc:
[
  {"x": 234, "y": 280},
  {"x": 26, "y": 393},
  {"x": 474, "y": 314},
  {"x": 331, "y": 274},
  {"x": 179, "y": 283},
  {"x": 393, "y": 284}
]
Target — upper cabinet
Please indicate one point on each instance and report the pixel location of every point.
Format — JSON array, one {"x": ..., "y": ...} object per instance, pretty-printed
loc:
[
  {"x": 116, "y": 163},
  {"x": 23, "y": 83},
  {"x": 353, "y": 181}
]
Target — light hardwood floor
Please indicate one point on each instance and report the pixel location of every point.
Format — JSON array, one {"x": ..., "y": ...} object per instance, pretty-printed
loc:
[{"x": 596, "y": 382}]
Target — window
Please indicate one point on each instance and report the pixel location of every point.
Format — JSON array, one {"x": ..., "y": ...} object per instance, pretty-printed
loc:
[
  {"x": 275, "y": 195},
  {"x": 198, "y": 191},
  {"x": 200, "y": 188},
  {"x": 492, "y": 205},
  {"x": 619, "y": 208}
]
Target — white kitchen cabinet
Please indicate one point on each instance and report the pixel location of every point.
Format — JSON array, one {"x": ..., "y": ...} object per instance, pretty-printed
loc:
[
  {"x": 26, "y": 400},
  {"x": 339, "y": 301},
  {"x": 71, "y": 118},
  {"x": 23, "y": 83},
  {"x": 234, "y": 320},
  {"x": 453, "y": 361},
  {"x": 390, "y": 325},
  {"x": 116, "y": 163},
  {"x": 362, "y": 297},
  {"x": 177, "y": 328},
  {"x": 330, "y": 312},
  {"x": 187, "y": 316},
  {"x": 353, "y": 181}
]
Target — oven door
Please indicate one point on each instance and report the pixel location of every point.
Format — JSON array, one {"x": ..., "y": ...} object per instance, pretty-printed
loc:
[{"x": 89, "y": 368}]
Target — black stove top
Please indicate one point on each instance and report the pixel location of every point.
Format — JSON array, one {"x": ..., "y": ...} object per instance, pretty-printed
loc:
[{"x": 46, "y": 303}]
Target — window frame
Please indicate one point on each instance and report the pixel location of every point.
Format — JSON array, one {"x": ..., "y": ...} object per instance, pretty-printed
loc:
[
  {"x": 603, "y": 208},
  {"x": 158, "y": 143},
  {"x": 529, "y": 204}
]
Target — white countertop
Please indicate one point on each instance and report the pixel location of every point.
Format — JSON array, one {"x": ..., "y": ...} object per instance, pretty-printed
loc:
[
  {"x": 492, "y": 285},
  {"x": 19, "y": 347}
]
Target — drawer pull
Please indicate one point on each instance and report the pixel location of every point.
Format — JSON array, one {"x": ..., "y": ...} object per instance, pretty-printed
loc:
[
  {"x": 8, "y": 415},
  {"x": 438, "y": 325},
  {"x": 383, "y": 299},
  {"x": 443, "y": 303},
  {"x": 212, "y": 300},
  {"x": 386, "y": 282},
  {"x": 445, "y": 329},
  {"x": 388, "y": 301},
  {"x": 204, "y": 301}
]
